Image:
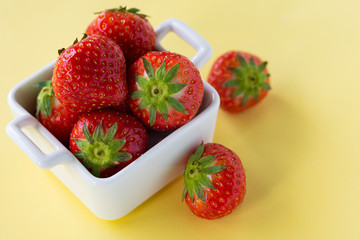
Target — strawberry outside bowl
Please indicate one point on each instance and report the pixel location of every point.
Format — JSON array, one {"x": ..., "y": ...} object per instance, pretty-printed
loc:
[{"x": 114, "y": 197}]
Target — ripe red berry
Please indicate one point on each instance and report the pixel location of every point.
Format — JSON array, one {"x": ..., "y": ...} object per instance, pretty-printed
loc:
[
  {"x": 128, "y": 28},
  {"x": 55, "y": 117},
  {"x": 165, "y": 90},
  {"x": 241, "y": 80},
  {"x": 90, "y": 75},
  {"x": 106, "y": 141},
  {"x": 214, "y": 180}
]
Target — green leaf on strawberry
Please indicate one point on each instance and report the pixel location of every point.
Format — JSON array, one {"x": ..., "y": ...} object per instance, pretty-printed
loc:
[
  {"x": 248, "y": 79},
  {"x": 99, "y": 150},
  {"x": 196, "y": 174},
  {"x": 124, "y": 9},
  {"x": 44, "y": 98},
  {"x": 157, "y": 90}
]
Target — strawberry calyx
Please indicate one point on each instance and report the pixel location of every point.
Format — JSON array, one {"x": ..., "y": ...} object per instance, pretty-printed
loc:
[
  {"x": 196, "y": 174},
  {"x": 157, "y": 90},
  {"x": 44, "y": 98},
  {"x": 124, "y": 9},
  {"x": 75, "y": 42},
  {"x": 249, "y": 78},
  {"x": 99, "y": 151}
]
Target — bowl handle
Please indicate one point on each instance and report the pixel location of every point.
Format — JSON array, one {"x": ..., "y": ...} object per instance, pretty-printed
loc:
[
  {"x": 189, "y": 35},
  {"x": 60, "y": 154}
]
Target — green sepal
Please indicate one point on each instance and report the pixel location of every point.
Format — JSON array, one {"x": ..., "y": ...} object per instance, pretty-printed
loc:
[
  {"x": 87, "y": 133},
  {"x": 43, "y": 83},
  {"x": 241, "y": 60},
  {"x": 137, "y": 94},
  {"x": 196, "y": 174},
  {"x": 152, "y": 114},
  {"x": 175, "y": 87},
  {"x": 246, "y": 98},
  {"x": 185, "y": 191},
  {"x": 80, "y": 154},
  {"x": 235, "y": 71},
  {"x": 213, "y": 169},
  {"x": 44, "y": 98},
  {"x": 199, "y": 192},
  {"x": 121, "y": 156},
  {"x": 232, "y": 82},
  {"x": 142, "y": 81},
  {"x": 124, "y": 9},
  {"x": 199, "y": 151},
  {"x": 262, "y": 66},
  {"x": 60, "y": 51},
  {"x": 82, "y": 144},
  {"x": 205, "y": 181},
  {"x": 110, "y": 134},
  {"x": 163, "y": 109},
  {"x": 191, "y": 190},
  {"x": 98, "y": 132},
  {"x": 86, "y": 162},
  {"x": 136, "y": 11},
  {"x": 96, "y": 170},
  {"x": 160, "y": 72},
  {"x": 116, "y": 145},
  {"x": 239, "y": 90},
  {"x": 266, "y": 86},
  {"x": 252, "y": 62},
  {"x": 100, "y": 151},
  {"x": 77, "y": 40},
  {"x": 205, "y": 161},
  {"x": 172, "y": 72},
  {"x": 148, "y": 68},
  {"x": 175, "y": 104},
  {"x": 144, "y": 103}
]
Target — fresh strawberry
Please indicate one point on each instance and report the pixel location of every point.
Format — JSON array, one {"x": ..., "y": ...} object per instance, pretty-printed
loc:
[
  {"x": 128, "y": 28},
  {"x": 165, "y": 90},
  {"x": 55, "y": 117},
  {"x": 241, "y": 80},
  {"x": 215, "y": 181},
  {"x": 90, "y": 74},
  {"x": 106, "y": 141}
]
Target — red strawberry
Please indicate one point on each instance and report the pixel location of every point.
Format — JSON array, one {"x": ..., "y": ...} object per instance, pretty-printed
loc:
[
  {"x": 215, "y": 181},
  {"x": 55, "y": 117},
  {"x": 106, "y": 141},
  {"x": 165, "y": 90},
  {"x": 128, "y": 28},
  {"x": 241, "y": 80},
  {"x": 91, "y": 74}
]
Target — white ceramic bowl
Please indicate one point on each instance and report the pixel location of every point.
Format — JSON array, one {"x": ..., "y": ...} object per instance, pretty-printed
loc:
[{"x": 112, "y": 198}]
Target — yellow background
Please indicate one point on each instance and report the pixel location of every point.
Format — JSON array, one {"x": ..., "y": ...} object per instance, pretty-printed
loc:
[{"x": 300, "y": 146}]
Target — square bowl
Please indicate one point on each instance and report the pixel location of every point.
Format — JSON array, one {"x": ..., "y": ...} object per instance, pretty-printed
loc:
[{"x": 114, "y": 197}]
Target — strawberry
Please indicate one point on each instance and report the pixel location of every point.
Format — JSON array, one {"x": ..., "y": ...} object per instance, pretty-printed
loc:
[
  {"x": 128, "y": 28},
  {"x": 106, "y": 141},
  {"x": 241, "y": 80},
  {"x": 215, "y": 181},
  {"x": 53, "y": 115},
  {"x": 165, "y": 90},
  {"x": 90, "y": 74}
]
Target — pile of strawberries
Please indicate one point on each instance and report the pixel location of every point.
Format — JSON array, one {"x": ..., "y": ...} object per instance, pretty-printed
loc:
[{"x": 111, "y": 87}]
